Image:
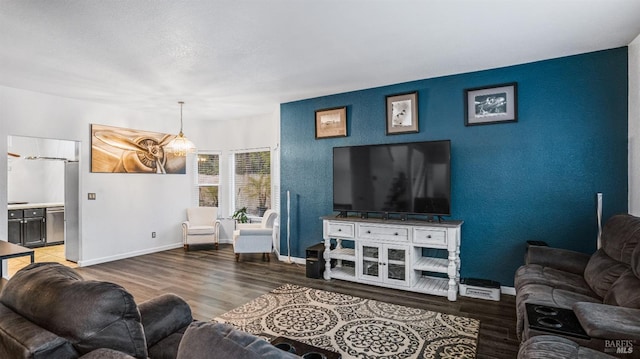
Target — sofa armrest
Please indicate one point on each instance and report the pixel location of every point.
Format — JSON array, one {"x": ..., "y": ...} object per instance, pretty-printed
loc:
[
  {"x": 162, "y": 316},
  {"x": 608, "y": 321},
  {"x": 21, "y": 338},
  {"x": 562, "y": 259},
  {"x": 202, "y": 339}
]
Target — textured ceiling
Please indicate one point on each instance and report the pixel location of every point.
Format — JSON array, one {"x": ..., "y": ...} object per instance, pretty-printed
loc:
[{"x": 241, "y": 58}]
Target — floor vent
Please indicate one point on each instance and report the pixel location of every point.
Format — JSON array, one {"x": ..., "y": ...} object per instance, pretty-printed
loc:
[{"x": 480, "y": 288}]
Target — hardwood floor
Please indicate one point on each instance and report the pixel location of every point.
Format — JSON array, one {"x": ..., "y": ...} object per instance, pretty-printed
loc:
[{"x": 213, "y": 283}]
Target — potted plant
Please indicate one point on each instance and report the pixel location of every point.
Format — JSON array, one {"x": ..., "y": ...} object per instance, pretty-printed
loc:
[{"x": 241, "y": 215}]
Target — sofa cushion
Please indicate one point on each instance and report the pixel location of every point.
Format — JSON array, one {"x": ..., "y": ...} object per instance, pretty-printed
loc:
[
  {"x": 89, "y": 314},
  {"x": 201, "y": 230},
  {"x": 602, "y": 271},
  {"x": 537, "y": 274},
  {"x": 620, "y": 237},
  {"x": 625, "y": 291}
]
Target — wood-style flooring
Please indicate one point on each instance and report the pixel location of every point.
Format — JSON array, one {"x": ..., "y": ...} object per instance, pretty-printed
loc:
[{"x": 213, "y": 283}]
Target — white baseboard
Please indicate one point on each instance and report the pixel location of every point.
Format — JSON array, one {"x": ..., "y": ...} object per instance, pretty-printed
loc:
[
  {"x": 128, "y": 255},
  {"x": 286, "y": 259}
]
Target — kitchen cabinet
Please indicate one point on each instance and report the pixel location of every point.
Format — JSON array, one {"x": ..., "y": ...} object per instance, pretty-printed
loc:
[
  {"x": 14, "y": 226},
  {"x": 27, "y": 227}
]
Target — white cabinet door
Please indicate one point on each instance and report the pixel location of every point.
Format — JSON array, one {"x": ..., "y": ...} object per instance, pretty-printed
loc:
[
  {"x": 396, "y": 264},
  {"x": 384, "y": 263},
  {"x": 370, "y": 261}
]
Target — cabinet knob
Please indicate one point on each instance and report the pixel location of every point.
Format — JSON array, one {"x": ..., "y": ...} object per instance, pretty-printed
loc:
[
  {"x": 339, "y": 229},
  {"x": 368, "y": 231},
  {"x": 428, "y": 236},
  {"x": 395, "y": 234}
]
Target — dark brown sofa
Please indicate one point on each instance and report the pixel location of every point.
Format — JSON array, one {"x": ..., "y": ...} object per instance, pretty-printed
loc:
[
  {"x": 48, "y": 311},
  {"x": 602, "y": 289}
]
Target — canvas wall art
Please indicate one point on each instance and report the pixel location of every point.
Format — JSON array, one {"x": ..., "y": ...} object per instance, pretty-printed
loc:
[{"x": 124, "y": 150}]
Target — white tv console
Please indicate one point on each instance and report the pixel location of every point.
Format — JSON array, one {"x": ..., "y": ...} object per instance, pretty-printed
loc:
[{"x": 390, "y": 253}]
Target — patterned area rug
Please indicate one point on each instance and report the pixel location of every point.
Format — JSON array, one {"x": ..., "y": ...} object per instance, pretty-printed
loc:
[{"x": 355, "y": 327}]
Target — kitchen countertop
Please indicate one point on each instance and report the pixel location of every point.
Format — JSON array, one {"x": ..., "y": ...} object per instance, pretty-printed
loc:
[{"x": 35, "y": 205}]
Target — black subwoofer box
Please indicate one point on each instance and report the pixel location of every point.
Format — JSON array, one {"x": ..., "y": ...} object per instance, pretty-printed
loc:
[{"x": 315, "y": 261}]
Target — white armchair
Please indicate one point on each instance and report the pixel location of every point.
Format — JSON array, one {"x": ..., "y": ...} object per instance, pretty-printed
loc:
[
  {"x": 255, "y": 237},
  {"x": 201, "y": 227}
]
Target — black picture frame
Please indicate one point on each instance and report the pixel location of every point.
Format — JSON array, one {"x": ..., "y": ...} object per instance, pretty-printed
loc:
[
  {"x": 402, "y": 113},
  {"x": 331, "y": 122},
  {"x": 491, "y": 104}
]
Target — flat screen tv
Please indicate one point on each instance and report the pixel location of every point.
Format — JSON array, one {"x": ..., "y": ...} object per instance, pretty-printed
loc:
[{"x": 403, "y": 178}]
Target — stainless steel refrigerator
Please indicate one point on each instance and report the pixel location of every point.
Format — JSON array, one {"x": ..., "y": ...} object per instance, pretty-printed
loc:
[{"x": 72, "y": 211}]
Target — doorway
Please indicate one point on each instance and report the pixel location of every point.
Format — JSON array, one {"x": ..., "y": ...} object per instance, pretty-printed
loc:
[{"x": 38, "y": 177}]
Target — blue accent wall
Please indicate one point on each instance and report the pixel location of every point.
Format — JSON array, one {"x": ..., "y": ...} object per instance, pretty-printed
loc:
[{"x": 535, "y": 179}]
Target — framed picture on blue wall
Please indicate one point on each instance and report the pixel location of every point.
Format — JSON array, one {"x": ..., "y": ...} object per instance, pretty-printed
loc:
[
  {"x": 492, "y": 104},
  {"x": 331, "y": 122},
  {"x": 402, "y": 113}
]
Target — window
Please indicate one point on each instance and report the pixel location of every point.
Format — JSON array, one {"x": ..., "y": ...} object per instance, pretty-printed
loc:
[
  {"x": 251, "y": 181},
  {"x": 208, "y": 179}
]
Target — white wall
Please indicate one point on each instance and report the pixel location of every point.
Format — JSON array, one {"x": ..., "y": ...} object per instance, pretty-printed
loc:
[
  {"x": 129, "y": 206},
  {"x": 39, "y": 180},
  {"x": 118, "y": 224},
  {"x": 634, "y": 127},
  {"x": 227, "y": 136}
]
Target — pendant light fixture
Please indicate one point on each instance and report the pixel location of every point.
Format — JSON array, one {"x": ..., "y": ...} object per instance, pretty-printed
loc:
[{"x": 180, "y": 145}]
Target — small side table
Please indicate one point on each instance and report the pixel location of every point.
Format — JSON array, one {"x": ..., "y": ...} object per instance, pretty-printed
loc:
[
  {"x": 10, "y": 250},
  {"x": 227, "y": 226}
]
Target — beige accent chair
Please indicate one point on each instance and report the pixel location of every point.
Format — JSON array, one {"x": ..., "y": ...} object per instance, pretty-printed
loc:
[
  {"x": 255, "y": 237},
  {"x": 201, "y": 227}
]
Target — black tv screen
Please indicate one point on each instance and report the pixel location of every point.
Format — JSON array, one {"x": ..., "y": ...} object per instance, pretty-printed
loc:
[{"x": 405, "y": 178}]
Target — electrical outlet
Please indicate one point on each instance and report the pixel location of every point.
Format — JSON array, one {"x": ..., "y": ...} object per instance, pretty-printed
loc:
[
  {"x": 91, "y": 196},
  {"x": 153, "y": 234}
]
